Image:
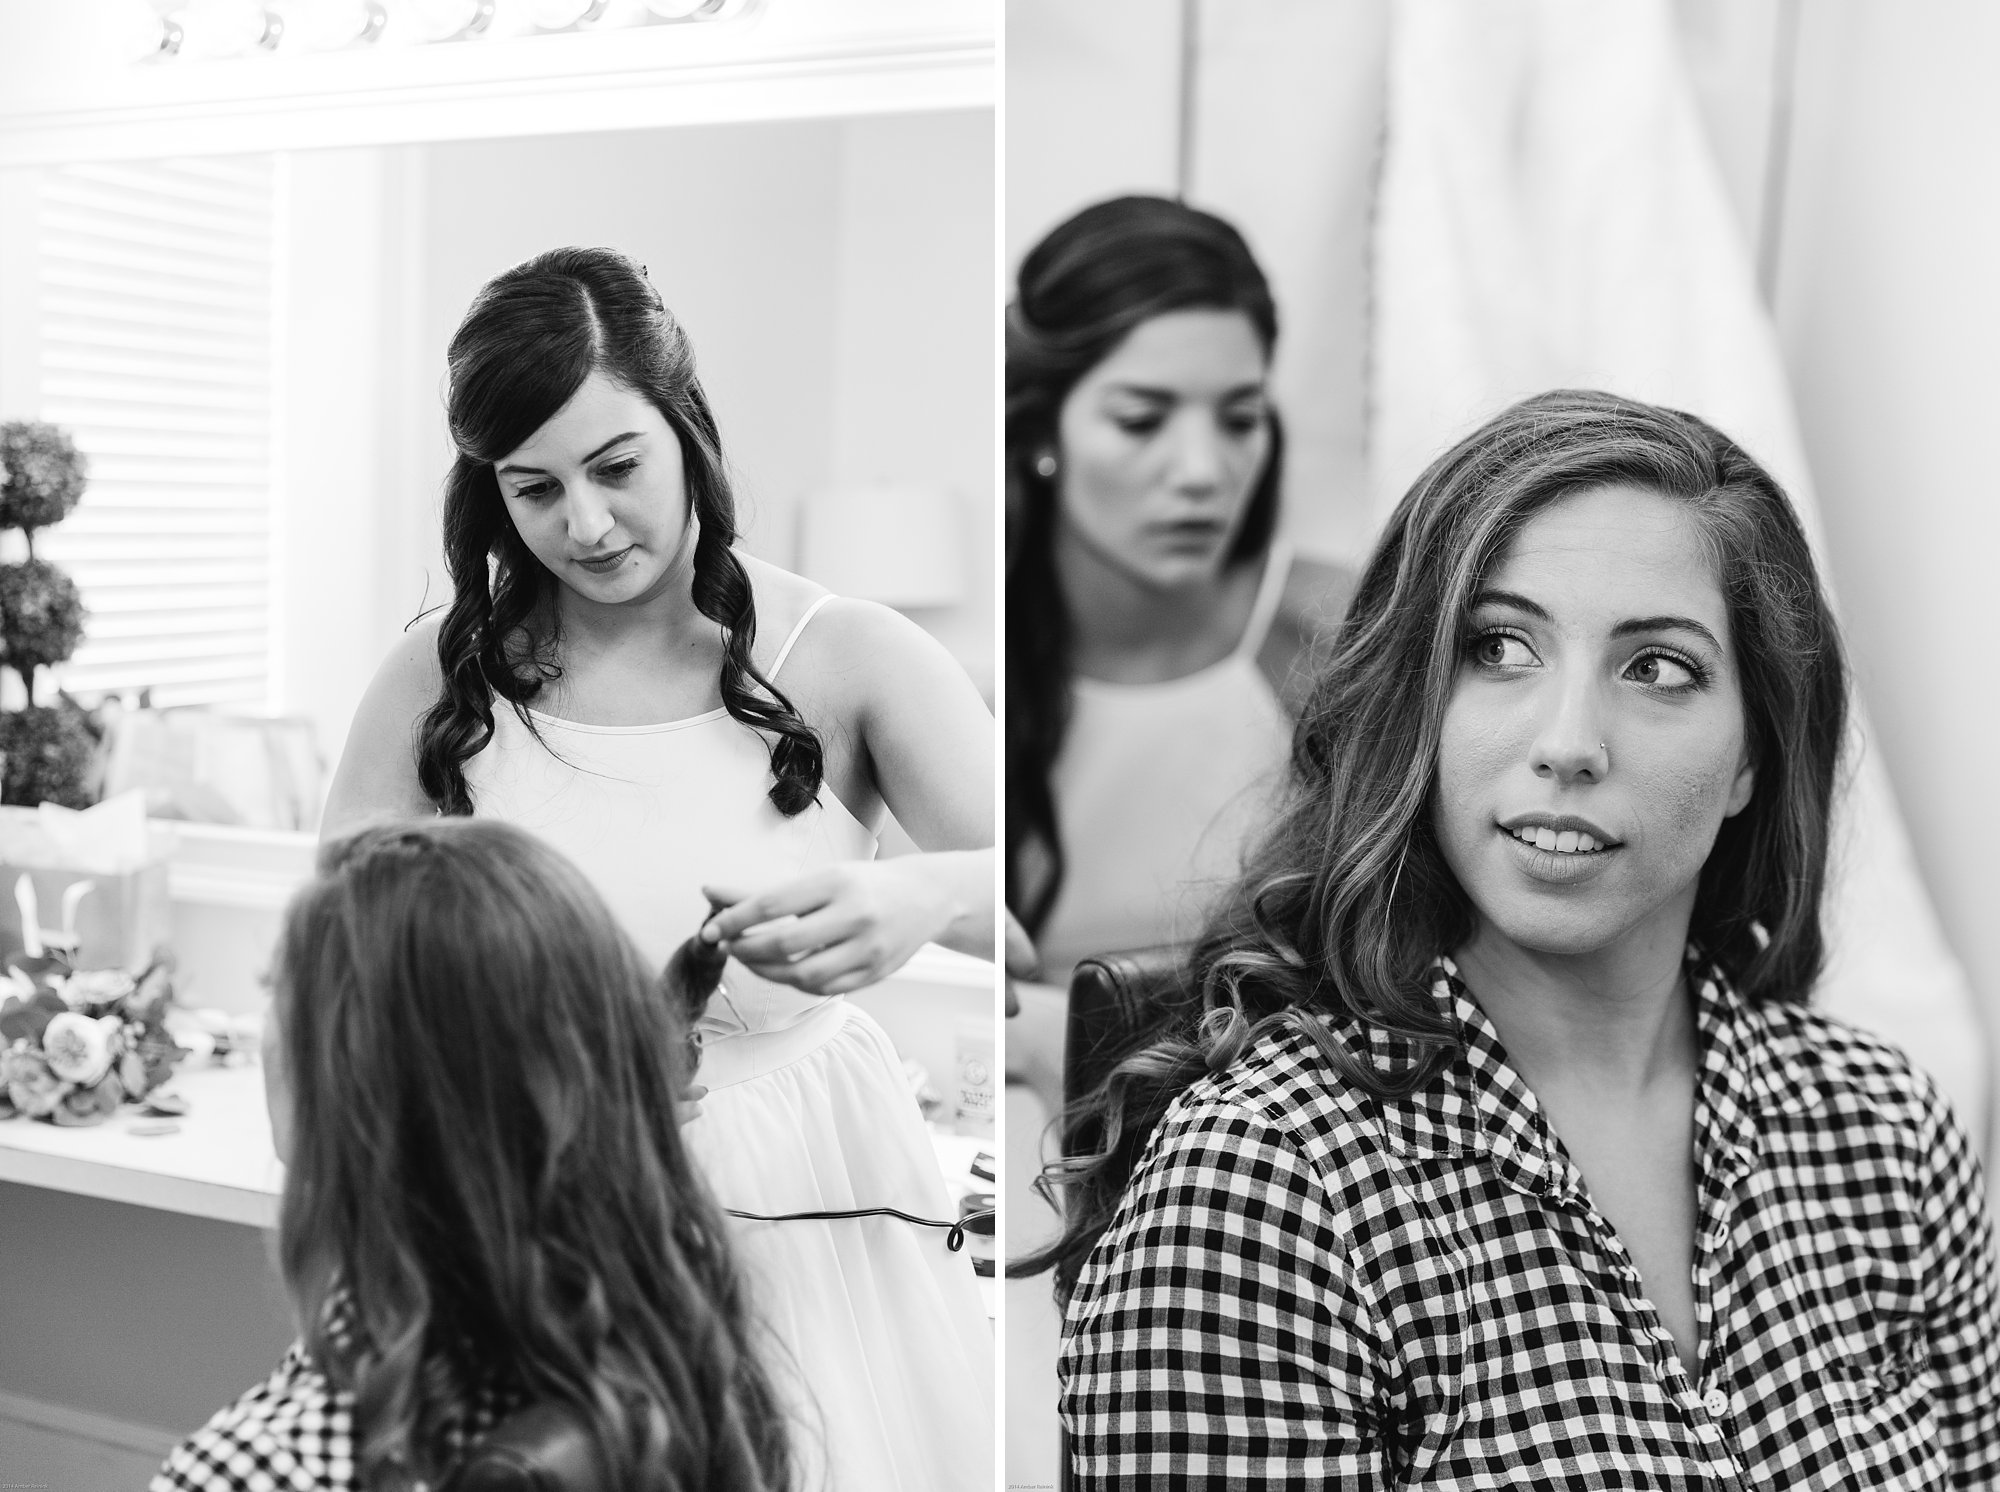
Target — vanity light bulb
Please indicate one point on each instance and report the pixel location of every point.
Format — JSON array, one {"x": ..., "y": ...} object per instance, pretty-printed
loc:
[
  {"x": 450, "y": 20},
  {"x": 333, "y": 24},
  {"x": 559, "y": 15},
  {"x": 228, "y": 28},
  {"x": 677, "y": 10},
  {"x": 144, "y": 35}
]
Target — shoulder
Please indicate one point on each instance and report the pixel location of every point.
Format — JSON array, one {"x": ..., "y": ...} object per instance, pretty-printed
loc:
[
  {"x": 1315, "y": 598},
  {"x": 377, "y": 774},
  {"x": 1279, "y": 1109},
  {"x": 1856, "y": 1091},
  {"x": 409, "y": 671},
  {"x": 852, "y": 655},
  {"x": 1316, "y": 593},
  {"x": 1238, "y": 1195},
  {"x": 294, "y": 1432},
  {"x": 1839, "y": 1058}
]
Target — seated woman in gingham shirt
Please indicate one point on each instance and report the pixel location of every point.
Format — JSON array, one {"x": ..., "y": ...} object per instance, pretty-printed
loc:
[
  {"x": 1596, "y": 1200},
  {"x": 474, "y": 1083}
]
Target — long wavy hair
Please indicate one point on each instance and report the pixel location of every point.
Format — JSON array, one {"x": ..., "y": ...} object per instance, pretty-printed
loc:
[
  {"x": 531, "y": 337},
  {"x": 1081, "y": 291},
  {"x": 1342, "y": 910},
  {"x": 488, "y": 1188}
]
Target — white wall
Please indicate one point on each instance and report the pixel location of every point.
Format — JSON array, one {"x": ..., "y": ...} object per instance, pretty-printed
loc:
[{"x": 913, "y": 339}]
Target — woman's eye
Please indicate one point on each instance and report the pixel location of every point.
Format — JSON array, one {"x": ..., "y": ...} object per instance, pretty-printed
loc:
[
  {"x": 1243, "y": 423},
  {"x": 619, "y": 472},
  {"x": 536, "y": 492},
  {"x": 1144, "y": 424},
  {"x": 1501, "y": 650},
  {"x": 1662, "y": 671}
]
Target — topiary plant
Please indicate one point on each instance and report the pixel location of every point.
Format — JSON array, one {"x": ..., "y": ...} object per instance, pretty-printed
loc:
[
  {"x": 47, "y": 748},
  {"x": 41, "y": 476}
]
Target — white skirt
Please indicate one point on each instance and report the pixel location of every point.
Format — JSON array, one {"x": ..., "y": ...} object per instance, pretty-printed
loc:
[{"x": 876, "y": 1329}]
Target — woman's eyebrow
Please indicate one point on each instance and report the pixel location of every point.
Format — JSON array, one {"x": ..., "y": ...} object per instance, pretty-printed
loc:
[
  {"x": 1514, "y": 599},
  {"x": 1169, "y": 396},
  {"x": 1625, "y": 628},
  {"x": 537, "y": 471},
  {"x": 1666, "y": 624}
]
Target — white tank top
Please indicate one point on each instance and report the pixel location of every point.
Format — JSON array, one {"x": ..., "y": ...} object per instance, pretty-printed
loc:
[
  {"x": 652, "y": 813},
  {"x": 1158, "y": 789}
]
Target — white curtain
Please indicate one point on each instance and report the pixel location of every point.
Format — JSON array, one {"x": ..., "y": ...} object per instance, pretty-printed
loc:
[{"x": 1550, "y": 215}]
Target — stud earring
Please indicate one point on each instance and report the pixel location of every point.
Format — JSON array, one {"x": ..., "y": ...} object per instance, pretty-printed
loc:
[{"x": 1045, "y": 465}]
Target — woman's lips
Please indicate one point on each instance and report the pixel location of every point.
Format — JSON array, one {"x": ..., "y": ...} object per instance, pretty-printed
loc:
[
  {"x": 1557, "y": 867},
  {"x": 605, "y": 563}
]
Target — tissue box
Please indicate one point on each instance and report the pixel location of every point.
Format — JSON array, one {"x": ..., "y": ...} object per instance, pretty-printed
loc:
[{"x": 126, "y": 914}]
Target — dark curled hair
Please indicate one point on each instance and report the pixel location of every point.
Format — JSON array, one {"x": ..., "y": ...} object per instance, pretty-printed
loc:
[
  {"x": 1082, "y": 290},
  {"x": 1344, "y": 906},
  {"x": 531, "y": 337},
  {"x": 488, "y": 1188}
]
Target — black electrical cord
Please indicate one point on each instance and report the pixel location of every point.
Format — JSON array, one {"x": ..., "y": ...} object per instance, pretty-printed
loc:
[{"x": 954, "y": 1239}]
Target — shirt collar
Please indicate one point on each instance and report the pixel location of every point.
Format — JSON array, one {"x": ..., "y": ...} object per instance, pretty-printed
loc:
[{"x": 1480, "y": 1105}]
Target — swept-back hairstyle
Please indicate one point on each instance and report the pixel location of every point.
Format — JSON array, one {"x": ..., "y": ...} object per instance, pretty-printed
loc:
[
  {"x": 1082, "y": 290},
  {"x": 532, "y": 336},
  {"x": 1343, "y": 908},
  {"x": 488, "y": 1188}
]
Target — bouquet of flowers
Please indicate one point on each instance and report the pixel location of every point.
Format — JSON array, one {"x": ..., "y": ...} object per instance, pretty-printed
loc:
[{"x": 73, "y": 1046}]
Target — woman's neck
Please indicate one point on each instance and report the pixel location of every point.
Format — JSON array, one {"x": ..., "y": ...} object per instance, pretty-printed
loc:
[
  {"x": 1616, "y": 1022},
  {"x": 1125, "y": 631}
]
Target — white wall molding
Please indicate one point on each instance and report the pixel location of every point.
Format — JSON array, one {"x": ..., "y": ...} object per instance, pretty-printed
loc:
[{"x": 800, "y": 59}]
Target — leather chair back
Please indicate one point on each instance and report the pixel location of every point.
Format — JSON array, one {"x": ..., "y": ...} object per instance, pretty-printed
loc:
[
  {"x": 1117, "y": 1002},
  {"x": 543, "y": 1448}
]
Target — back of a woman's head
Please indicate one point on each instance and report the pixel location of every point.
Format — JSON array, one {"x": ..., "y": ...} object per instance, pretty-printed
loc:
[{"x": 488, "y": 1182}]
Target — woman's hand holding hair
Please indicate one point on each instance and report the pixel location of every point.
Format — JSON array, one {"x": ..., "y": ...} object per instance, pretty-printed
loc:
[{"x": 845, "y": 926}]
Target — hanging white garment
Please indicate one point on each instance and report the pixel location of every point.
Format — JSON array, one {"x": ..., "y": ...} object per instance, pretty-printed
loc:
[{"x": 1551, "y": 217}]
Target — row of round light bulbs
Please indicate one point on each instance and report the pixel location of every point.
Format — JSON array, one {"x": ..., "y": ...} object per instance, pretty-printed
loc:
[{"x": 235, "y": 28}]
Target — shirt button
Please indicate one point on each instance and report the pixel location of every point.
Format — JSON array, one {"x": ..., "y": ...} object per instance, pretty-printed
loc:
[{"x": 1716, "y": 1402}]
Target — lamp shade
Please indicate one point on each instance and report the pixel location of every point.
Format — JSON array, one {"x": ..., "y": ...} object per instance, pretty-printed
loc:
[{"x": 897, "y": 543}]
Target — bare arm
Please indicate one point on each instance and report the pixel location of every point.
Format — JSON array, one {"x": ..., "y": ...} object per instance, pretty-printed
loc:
[
  {"x": 377, "y": 775},
  {"x": 929, "y": 743}
]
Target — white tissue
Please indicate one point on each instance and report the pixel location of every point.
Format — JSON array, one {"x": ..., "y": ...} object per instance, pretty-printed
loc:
[{"x": 108, "y": 838}]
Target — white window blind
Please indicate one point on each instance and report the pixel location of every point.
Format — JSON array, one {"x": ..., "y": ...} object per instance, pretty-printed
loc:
[{"x": 157, "y": 294}]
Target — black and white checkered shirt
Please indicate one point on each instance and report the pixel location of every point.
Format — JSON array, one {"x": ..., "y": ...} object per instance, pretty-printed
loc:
[
  {"x": 1305, "y": 1286},
  {"x": 294, "y": 1432}
]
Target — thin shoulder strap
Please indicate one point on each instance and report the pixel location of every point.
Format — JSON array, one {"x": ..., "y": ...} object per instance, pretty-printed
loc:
[
  {"x": 1270, "y": 591},
  {"x": 793, "y": 636}
]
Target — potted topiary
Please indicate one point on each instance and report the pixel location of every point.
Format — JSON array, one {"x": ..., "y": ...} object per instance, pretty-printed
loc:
[{"x": 47, "y": 748}]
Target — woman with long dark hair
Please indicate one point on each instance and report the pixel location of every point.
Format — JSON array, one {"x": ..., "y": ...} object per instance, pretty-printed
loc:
[
  {"x": 488, "y": 1201},
  {"x": 1153, "y": 617},
  {"x": 1505, "y": 1145},
  {"x": 690, "y": 724}
]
